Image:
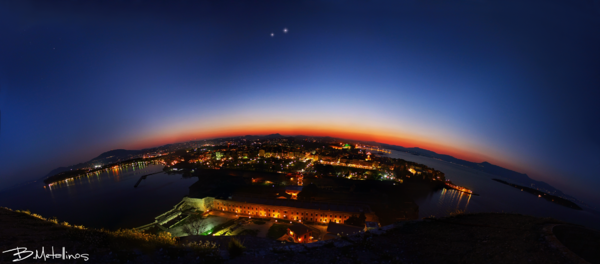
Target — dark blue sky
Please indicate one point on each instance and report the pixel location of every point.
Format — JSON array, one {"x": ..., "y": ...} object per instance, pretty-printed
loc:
[{"x": 514, "y": 83}]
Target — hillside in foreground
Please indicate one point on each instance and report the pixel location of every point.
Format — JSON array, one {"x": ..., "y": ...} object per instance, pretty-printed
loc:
[{"x": 463, "y": 238}]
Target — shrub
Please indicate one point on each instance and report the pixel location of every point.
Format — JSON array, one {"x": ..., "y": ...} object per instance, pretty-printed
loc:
[
  {"x": 38, "y": 216},
  {"x": 277, "y": 230},
  {"x": 259, "y": 222},
  {"x": 163, "y": 238},
  {"x": 196, "y": 227},
  {"x": 23, "y": 211},
  {"x": 206, "y": 248},
  {"x": 457, "y": 212},
  {"x": 202, "y": 245},
  {"x": 236, "y": 247}
]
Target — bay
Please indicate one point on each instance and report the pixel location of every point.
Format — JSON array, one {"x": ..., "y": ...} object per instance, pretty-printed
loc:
[
  {"x": 493, "y": 196},
  {"x": 109, "y": 200},
  {"x": 106, "y": 200}
]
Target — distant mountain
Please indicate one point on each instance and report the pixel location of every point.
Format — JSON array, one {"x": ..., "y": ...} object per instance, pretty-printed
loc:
[
  {"x": 506, "y": 173},
  {"x": 115, "y": 155},
  {"x": 519, "y": 178},
  {"x": 63, "y": 169},
  {"x": 54, "y": 172},
  {"x": 273, "y": 136},
  {"x": 104, "y": 158}
]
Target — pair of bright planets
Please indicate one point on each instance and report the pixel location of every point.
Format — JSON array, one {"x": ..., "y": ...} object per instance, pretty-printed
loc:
[{"x": 285, "y": 30}]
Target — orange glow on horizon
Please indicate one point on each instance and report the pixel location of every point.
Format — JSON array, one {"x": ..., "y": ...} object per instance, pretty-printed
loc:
[{"x": 344, "y": 133}]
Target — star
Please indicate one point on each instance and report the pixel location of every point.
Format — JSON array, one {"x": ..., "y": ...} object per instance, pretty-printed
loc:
[
  {"x": 272, "y": 34},
  {"x": 285, "y": 30}
]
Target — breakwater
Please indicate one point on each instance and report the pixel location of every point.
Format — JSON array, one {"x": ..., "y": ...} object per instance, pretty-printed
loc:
[{"x": 143, "y": 178}]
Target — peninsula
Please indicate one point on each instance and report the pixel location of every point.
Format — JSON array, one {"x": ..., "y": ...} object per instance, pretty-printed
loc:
[{"x": 549, "y": 197}]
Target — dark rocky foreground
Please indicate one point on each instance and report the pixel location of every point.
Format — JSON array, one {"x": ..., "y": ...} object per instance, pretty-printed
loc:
[
  {"x": 471, "y": 238},
  {"x": 466, "y": 238}
]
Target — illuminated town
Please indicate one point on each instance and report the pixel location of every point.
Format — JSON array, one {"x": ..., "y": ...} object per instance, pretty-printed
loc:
[{"x": 314, "y": 185}]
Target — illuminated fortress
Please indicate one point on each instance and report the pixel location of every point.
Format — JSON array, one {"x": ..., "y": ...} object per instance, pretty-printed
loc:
[{"x": 289, "y": 210}]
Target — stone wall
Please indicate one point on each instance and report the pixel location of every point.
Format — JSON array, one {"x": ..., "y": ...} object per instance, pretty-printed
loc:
[
  {"x": 271, "y": 211},
  {"x": 202, "y": 204},
  {"x": 287, "y": 212}
]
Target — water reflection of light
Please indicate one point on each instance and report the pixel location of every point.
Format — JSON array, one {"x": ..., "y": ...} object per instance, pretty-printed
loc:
[
  {"x": 451, "y": 198},
  {"x": 459, "y": 199},
  {"x": 52, "y": 194},
  {"x": 468, "y": 200},
  {"x": 442, "y": 196},
  {"x": 100, "y": 174}
]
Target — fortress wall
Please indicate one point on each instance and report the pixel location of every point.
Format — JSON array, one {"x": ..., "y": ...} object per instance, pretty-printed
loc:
[
  {"x": 287, "y": 212},
  {"x": 272, "y": 211}
]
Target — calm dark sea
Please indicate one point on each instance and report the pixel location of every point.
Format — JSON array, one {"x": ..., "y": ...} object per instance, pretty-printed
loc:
[
  {"x": 494, "y": 196},
  {"x": 107, "y": 200}
]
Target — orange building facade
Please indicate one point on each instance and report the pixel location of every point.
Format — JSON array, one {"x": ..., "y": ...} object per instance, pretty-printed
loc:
[{"x": 291, "y": 210}]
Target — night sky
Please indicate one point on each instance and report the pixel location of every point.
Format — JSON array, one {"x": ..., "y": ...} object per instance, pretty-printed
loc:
[{"x": 514, "y": 83}]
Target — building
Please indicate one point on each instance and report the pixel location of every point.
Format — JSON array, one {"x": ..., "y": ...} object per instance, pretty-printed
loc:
[
  {"x": 314, "y": 157},
  {"x": 290, "y": 210},
  {"x": 293, "y": 191},
  {"x": 300, "y": 233}
]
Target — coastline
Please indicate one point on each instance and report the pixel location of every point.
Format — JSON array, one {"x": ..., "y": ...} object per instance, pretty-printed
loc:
[{"x": 540, "y": 194}]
